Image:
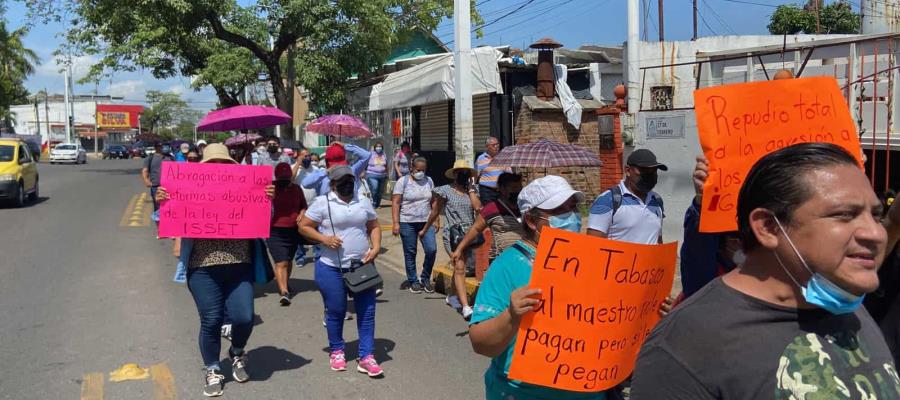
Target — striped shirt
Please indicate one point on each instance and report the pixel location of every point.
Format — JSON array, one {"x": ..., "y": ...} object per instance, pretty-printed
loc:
[{"x": 488, "y": 174}]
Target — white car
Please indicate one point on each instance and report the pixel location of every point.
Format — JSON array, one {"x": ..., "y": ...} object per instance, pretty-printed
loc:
[{"x": 68, "y": 153}]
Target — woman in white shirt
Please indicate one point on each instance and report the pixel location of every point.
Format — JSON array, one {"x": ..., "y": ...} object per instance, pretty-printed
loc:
[{"x": 346, "y": 227}]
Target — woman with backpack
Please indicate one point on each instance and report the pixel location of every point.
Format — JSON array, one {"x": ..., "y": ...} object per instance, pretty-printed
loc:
[
  {"x": 458, "y": 202},
  {"x": 410, "y": 207}
]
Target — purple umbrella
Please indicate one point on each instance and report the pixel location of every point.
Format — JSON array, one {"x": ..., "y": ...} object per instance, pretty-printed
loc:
[
  {"x": 242, "y": 118},
  {"x": 340, "y": 125},
  {"x": 546, "y": 154}
]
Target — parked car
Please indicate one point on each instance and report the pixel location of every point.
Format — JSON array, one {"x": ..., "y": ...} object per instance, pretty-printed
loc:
[
  {"x": 138, "y": 151},
  {"x": 116, "y": 151},
  {"x": 18, "y": 172},
  {"x": 68, "y": 153}
]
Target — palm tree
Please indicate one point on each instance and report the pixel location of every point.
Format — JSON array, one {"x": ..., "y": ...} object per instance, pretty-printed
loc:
[{"x": 16, "y": 63}]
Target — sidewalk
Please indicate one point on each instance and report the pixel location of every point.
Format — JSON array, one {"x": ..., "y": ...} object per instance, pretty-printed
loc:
[{"x": 392, "y": 255}]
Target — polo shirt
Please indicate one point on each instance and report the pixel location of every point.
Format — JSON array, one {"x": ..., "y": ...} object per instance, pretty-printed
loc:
[
  {"x": 488, "y": 174},
  {"x": 636, "y": 221},
  {"x": 349, "y": 223}
]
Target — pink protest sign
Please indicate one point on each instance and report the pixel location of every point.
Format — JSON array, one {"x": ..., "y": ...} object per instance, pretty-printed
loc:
[{"x": 215, "y": 201}]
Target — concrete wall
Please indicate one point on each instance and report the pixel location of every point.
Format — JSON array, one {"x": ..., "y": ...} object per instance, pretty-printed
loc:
[
  {"x": 85, "y": 113},
  {"x": 682, "y": 78}
]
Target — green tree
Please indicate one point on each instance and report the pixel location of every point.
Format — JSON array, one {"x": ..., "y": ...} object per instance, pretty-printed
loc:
[
  {"x": 835, "y": 18},
  {"x": 167, "y": 110},
  {"x": 327, "y": 40},
  {"x": 16, "y": 63}
]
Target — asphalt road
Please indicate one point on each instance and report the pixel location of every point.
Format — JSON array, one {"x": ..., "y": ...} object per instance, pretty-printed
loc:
[{"x": 85, "y": 288}]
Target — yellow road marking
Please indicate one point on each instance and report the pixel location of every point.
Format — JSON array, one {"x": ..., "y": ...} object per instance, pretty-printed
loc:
[
  {"x": 92, "y": 386},
  {"x": 163, "y": 382},
  {"x": 128, "y": 210},
  {"x": 137, "y": 213}
]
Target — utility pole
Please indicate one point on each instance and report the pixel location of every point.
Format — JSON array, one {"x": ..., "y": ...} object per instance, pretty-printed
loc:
[
  {"x": 695, "y": 21},
  {"x": 37, "y": 117},
  {"x": 632, "y": 56},
  {"x": 462, "y": 81},
  {"x": 47, "y": 114},
  {"x": 662, "y": 29},
  {"x": 818, "y": 26},
  {"x": 66, "y": 100}
]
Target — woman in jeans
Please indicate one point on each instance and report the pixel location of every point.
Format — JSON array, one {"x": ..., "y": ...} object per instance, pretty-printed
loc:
[
  {"x": 346, "y": 226},
  {"x": 376, "y": 173},
  {"x": 411, "y": 206},
  {"x": 220, "y": 275},
  {"x": 501, "y": 216},
  {"x": 458, "y": 202},
  {"x": 284, "y": 237}
]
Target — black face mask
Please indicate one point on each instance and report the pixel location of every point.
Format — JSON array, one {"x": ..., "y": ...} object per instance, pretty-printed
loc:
[
  {"x": 273, "y": 148},
  {"x": 306, "y": 162},
  {"x": 345, "y": 188},
  {"x": 462, "y": 178},
  {"x": 513, "y": 197},
  {"x": 647, "y": 182},
  {"x": 282, "y": 184}
]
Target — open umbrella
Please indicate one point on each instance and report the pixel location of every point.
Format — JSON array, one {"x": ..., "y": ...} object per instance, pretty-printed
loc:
[
  {"x": 243, "y": 138},
  {"x": 242, "y": 118},
  {"x": 340, "y": 125},
  {"x": 546, "y": 154}
]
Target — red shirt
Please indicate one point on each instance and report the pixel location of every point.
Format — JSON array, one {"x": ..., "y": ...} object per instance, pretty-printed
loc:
[{"x": 288, "y": 203}]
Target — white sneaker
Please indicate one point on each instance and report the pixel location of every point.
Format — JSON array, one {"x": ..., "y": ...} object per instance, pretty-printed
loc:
[
  {"x": 348, "y": 316},
  {"x": 467, "y": 313},
  {"x": 226, "y": 331},
  {"x": 453, "y": 301}
]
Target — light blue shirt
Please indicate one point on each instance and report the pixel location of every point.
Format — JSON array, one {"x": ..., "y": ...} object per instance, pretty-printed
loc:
[
  {"x": 510, "y": 271},
  {"x": 319, "y": 181},
  {"x": 637, "y": 220}
]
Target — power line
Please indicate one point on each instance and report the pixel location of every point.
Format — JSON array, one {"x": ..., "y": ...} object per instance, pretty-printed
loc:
[
  {"x": 536, "y": 14},
  {"x": 753, "y": 3},
  {"x": 719, "y": 18},
  {"x": 703, "y": 19}
]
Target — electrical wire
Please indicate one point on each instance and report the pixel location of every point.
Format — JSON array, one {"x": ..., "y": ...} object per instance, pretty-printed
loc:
[{"x": 719, "y": 18}]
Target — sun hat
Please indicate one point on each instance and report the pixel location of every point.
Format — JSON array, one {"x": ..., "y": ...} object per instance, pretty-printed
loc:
[
  {"x": 217, "y": 151},
  {"x": 457, "y": 165},
  {"x": 547, "y": 193}
]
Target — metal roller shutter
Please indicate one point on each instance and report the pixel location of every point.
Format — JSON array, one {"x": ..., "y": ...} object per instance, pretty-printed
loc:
[
  {"x": 434, "y": 125},
  {"x": 481, "y": 121}
]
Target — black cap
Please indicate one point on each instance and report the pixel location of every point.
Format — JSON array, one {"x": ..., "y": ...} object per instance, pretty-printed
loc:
[{"x": 645, "y": 159}]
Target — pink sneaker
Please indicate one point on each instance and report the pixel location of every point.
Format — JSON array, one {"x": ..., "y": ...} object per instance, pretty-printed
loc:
[
  {"x": 338, "y": 362},
  {"x": 369, "y": 366}
]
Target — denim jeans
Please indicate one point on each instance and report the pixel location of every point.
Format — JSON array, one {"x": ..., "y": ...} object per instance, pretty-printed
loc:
[
  {"x": 375, "y": 185},
  {"x": 409, "y": 235},
  {"x": 301, "y": 254},
  {"x": 153, "y": 197},
  {"x": 334, "y": 294},
  {"x": 214, "y": 288}
]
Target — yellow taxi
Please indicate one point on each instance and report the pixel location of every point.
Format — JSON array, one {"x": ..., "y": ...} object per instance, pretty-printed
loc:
[{"x": 18, "y": 172}]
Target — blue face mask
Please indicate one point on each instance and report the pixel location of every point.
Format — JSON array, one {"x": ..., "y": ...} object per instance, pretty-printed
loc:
[
  {"x": 819, "y": 290},
  {"x": 569, "y": 221}
]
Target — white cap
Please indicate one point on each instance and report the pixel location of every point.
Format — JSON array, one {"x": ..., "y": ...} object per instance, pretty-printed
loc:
[
  {"x": 201, "y": 142},
  {"x": 547, "y": 193}
]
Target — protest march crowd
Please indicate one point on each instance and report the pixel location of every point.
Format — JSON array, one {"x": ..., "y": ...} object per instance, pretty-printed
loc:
[{"x": 777, "y": 308}]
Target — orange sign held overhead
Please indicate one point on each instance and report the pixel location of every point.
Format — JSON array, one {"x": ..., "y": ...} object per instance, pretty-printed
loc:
[
  {"x": 739, "y": 124},
  {"x": 600, "y": 300}
]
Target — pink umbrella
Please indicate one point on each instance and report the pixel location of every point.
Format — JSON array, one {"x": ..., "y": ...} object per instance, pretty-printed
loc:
[
  {"x": 340, "y": 125},
  {"x": 243, "y": 118}
]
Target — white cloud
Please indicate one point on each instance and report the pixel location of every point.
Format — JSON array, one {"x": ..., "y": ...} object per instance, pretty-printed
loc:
[
  {"x": 131, "y": 89},
  {"x": 52, "y": 67},
  {"x": 178, "y": 89}
]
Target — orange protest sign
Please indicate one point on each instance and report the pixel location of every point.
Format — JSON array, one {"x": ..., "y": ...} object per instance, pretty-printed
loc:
[
  {"x": 739, "y": 124},
  {"x": 600, "y": 299}
]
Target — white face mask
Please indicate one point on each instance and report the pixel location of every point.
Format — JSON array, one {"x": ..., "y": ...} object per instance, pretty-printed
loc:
[{"x": 418, "y": 175}]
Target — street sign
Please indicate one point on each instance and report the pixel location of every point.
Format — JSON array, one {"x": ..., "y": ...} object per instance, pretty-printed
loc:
[{"x": 667, "y": 127}]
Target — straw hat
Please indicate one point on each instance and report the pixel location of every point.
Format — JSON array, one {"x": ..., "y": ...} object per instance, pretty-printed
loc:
[
  {"x": 217, "y": 151},
  {"x": 459, "y": 164}
]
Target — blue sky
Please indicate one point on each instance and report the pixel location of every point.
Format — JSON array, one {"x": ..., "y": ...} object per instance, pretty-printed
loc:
[{"x": 571, "y": 22}]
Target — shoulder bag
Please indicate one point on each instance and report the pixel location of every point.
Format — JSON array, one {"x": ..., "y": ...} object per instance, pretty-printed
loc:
[
  {"x": 458, "y": 232},
  {"x": 359, "y": 277}
]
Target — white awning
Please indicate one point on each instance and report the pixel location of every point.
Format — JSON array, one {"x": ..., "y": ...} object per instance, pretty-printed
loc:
[{"x": 432, "y": 81}]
